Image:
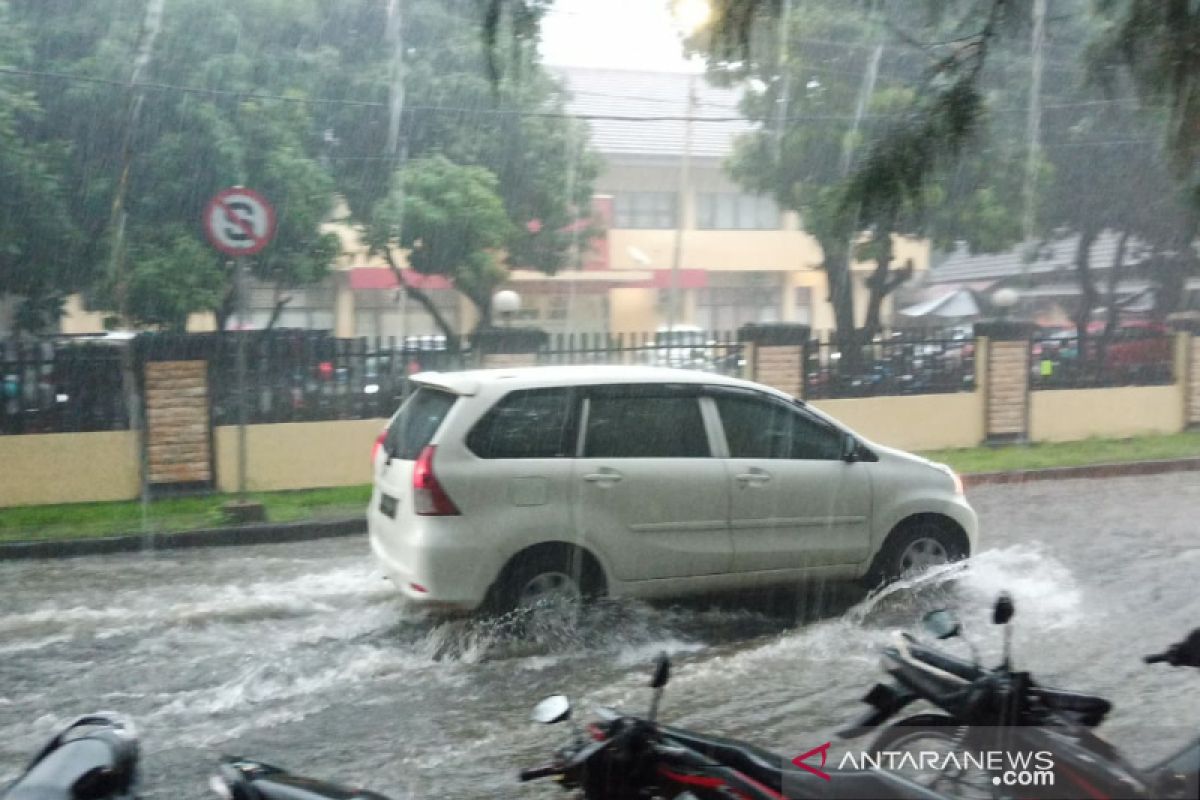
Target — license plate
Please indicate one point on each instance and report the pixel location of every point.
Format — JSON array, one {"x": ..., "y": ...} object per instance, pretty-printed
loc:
[{"x": 387, "y": 505}]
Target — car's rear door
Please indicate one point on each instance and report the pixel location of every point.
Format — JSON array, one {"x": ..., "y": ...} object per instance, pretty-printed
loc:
[
  {"x": 517, "y": 478},
  {"x": 794, "y": 502},
  {"x": 648, "y": 490}
]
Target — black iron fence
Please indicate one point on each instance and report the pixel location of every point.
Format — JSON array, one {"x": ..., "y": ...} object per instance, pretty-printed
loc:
[
  {"x": 294, "y": 376},
  {"x": 61, "y": 386},
  {"x": 301, "y": 377},
  {"x": 719, "y": 353},
  {"x": 1132, "y": 356},
  {"x": 890, "y": 364}
]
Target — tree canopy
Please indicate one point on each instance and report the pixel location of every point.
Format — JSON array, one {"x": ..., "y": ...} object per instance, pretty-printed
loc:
[{"x": 120, "y": 118}]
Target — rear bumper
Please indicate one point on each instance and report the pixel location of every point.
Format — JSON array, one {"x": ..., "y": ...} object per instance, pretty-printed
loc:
[{"x": 438, "y": 563}]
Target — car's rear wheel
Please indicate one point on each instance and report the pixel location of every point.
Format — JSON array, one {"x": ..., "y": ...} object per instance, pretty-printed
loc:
[
  {"x": 558, "y": 578},
  {"x": 916, "y": 546}
]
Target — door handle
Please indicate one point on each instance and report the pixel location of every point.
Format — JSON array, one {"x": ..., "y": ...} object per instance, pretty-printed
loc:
[
  {"x": 746, "y": 478},
  {"x": 603, "y": 477}
]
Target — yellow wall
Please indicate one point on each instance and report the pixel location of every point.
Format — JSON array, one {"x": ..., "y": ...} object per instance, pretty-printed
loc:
[
  {"x": 632, "y": 310},
  {"x": 298, "y": 455},
  {"x": 68, "y": 468},
  {"x": 1064, "y": 415},
  {"x": 913, "y": 422}
]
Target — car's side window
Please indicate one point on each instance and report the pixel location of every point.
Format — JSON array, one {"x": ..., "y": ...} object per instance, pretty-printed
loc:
[
  {"x": 644, "y": 423},
  {"x": 814, "y": 439},
  {"x": 530, "y": 423},
  {"x": 758, "y": 427},
  {"x": 754, "y": 427}
]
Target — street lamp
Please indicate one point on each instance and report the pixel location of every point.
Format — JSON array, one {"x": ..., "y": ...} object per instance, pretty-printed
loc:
[
  {"x": 506, "y": 302},
  {"x": 1004, "y": 300}
]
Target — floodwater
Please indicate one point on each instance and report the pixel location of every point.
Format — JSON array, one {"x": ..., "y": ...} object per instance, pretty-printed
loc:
[{"x": 301, "y": 655}]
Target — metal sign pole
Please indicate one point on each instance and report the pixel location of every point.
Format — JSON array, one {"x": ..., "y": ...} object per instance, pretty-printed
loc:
[{"x": 240, "y": 289}]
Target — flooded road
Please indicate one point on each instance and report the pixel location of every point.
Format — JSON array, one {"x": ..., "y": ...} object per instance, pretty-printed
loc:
[{"x": 301, "y": 654}]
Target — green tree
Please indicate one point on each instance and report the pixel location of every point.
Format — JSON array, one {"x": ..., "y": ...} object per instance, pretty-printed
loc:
[
  {"x": 38, "y": 240},
  {"x": 823, "y": 94},
  {"x": 453, "y": 223},
  {"x": 512, "y": 124},
  {"x": 186, "y": 145}
]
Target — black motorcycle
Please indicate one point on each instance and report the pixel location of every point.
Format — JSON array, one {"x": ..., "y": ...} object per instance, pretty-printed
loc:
[
  {"x": 95, "y": 757},
  {"x": 1003, "y": 711},
  {"x": 623, "y": 757},
  {"x": 628, "y": 757}
]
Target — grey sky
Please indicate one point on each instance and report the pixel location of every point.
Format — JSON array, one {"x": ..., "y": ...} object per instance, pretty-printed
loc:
[{"x": 626, "y": 34}]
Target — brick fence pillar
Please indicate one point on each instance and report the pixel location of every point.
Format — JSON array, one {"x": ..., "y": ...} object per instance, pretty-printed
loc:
[
  {"x": 1005, "y": 378},
  {"x": 1187, "y": 365},
  {"x": 178, "y": 444},
  {"x": 775, "y": 354},
  {"x": 498, "y": 348}
]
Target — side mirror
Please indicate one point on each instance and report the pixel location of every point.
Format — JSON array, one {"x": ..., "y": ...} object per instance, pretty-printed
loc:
[
  {"x": 849, "y": 448},
  {"x": 943, "y": 623},
  {"x": 554, "y": 708},
  {"x": 662, "y": 671},
  {"x": 1003, "y": 610}
]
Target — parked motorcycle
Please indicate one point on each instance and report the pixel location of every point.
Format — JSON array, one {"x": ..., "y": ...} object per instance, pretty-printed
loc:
[
  {"x": 623, "y": 756},
  {"x": 94, "y": 757},
  {"x": 993, "y": 710}
]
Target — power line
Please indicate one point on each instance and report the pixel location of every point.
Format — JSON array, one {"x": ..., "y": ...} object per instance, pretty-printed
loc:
[{"x": 502, "y": 112}]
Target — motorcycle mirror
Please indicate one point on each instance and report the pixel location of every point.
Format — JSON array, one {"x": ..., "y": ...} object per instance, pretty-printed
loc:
[
  {"x": 942, "y": 623},
  {"x": 662, "y": 671},
  {"x": 554, "y": 708},
  {"x": 1003, "y": 610}
]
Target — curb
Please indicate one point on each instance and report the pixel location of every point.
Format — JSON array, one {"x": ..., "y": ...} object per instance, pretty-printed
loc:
[
  {"x": 261, "y": 533},
  {"x": 1117, "y": 470},
  {"x": 271, "y": 533}
]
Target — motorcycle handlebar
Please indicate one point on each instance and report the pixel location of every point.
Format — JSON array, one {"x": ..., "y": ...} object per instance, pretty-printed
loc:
[
  {"x": 1156, "y": 658},
  {"x": 536, "y": 773}
]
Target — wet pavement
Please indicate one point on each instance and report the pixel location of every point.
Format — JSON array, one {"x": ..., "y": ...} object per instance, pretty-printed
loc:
[{"x": 301, "y": 654}]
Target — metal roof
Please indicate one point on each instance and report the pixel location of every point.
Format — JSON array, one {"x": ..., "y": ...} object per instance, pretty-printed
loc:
[
  {"x": 644, "y": 96},
  {"x": 1054, "y": 256}
]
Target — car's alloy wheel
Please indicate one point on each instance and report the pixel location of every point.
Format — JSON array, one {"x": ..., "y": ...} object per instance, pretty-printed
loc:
[
  {"x": 550, "y": 589},
  {"x": 921, "y": 554}
]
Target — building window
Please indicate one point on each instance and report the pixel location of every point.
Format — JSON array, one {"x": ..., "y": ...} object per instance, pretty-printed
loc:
[
  {"x": 644, "y": 210},
  {"x": 803, "y": 313},
  {"x": 730, "y": 211},
  {"x": 727, "y": 308}
]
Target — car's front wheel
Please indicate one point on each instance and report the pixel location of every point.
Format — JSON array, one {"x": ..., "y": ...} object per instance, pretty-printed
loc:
[{"x": 916, "y": 546}]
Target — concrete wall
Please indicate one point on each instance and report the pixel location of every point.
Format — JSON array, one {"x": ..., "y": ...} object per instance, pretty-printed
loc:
[
  {"x": 68, "y": 468},
  {"x": 1065, "y": 415},
  {"x": 913, "y": 422},
  {"x": 298, "y": 455}
]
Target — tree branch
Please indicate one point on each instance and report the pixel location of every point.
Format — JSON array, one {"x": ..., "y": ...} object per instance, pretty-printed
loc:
[{"x": 423, "y": 299}]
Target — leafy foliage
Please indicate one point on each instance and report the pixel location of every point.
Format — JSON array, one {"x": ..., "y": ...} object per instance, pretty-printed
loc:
[{"x": 452, "y": 221}]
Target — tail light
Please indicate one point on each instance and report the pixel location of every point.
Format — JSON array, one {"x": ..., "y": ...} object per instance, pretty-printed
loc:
[
  {"x": 429, "y": 498},
  {"x": 379, "y": 440}
]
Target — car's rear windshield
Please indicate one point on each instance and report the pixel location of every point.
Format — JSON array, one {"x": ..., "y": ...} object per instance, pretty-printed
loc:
[{"x": 419, "y": 419}]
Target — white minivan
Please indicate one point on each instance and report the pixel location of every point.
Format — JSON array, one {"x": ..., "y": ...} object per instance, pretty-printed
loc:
[{"x": 507, "y": 487}]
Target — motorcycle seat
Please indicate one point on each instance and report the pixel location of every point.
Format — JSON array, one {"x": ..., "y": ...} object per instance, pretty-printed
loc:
[
  {"x": 1087, "y": 709},
  {"x": 778, "y": 774},
  {"x": 755, "y": 762},
  {"x": 955, "y": 666}
]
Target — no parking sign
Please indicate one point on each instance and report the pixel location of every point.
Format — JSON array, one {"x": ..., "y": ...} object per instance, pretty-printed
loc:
[{"x": 239, "y": 221}]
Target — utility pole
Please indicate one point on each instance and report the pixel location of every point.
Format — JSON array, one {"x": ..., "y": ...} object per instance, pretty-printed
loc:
[
  {"x": 1033, "y": 131},
  {"x": 151, "y": 25},
  {"x": 395, "y": 149},
  {"x": 785, "y": 81},
  {"x": 681, "y": 203}
]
